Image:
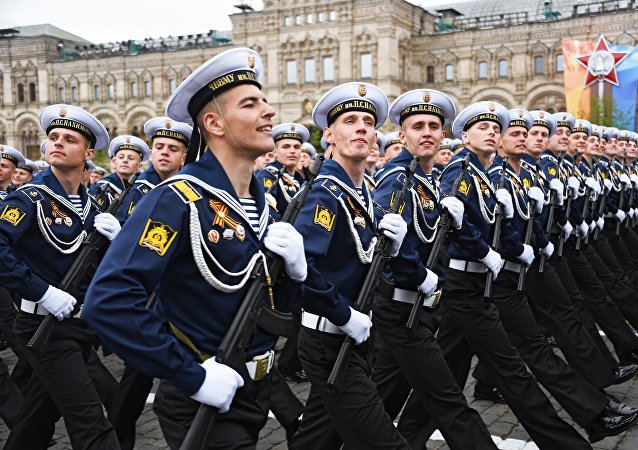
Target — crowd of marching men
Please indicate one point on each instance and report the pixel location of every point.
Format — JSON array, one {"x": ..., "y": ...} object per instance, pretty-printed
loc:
[{"x": 387, "y": 261}]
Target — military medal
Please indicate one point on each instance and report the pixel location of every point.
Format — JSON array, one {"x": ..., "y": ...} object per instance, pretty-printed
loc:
[
  {"x": 240, "y": 232},
  {"x": 213, "y": 236},
  {"x": 58, "y": 221},
  {"x": 228, "y": 234},
  {"x": 48, "y": 221},
  {"x": 67, "y": 221},
  {"x": 360, "y": 221}
]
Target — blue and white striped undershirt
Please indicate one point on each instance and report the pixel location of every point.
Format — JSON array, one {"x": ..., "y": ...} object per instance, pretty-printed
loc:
[
  {"x": 77, "y": 202},
  {"x": 359, "y": 190},
  {"x": 250, "y": 206}
]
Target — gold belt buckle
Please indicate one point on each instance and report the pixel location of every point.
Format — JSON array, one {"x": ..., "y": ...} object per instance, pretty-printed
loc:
[
  {"x": 437, "y": 297},
  {"x": 261, "y": 367}
]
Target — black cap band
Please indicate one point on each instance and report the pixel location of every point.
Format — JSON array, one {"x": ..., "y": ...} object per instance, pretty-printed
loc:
[
  {"x": 518, "y": 123},
  {"x": 289, "y": 135},
  {"x": 563, "y": 123},
  {"x": 171, "y": 135},
  {"x": 392, "y": 142},
  {"x": 480, "y": 118},
  {"x": 351, "y": 105},
  {"x": 132, "y": 147},
  {"x": 219, "y": 85},
  {"x": 74, "y": 125},
  {"x": 421, "y": 108},
  {"x": 9, "y": 157},
  {"x": 542, "y": 123}
]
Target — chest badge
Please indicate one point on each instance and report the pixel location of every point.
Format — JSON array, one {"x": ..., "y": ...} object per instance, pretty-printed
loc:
[
  {"x": 222, "y": 219},
  {"x": 59, "y": 216}
]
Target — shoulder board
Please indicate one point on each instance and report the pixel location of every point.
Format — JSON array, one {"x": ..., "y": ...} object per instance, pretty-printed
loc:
[
  {"x": 185, "y": 191},
  {"x": 332, "y": 187},
  {"x": 32, "y": 193},
  {"x": 272, "y": 169},
  {"x": 551, "y": 157}
]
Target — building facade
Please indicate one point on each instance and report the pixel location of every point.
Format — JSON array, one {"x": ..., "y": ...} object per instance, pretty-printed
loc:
[{"x": 514, "y": 58}]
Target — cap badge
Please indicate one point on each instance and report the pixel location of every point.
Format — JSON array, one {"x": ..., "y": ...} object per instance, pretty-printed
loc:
[
  {"x": 564, "y": 116},
  {"x": 128, "y": 140},
  {"x": 292, "y": 128},
  {"x": 520, "y": 114},
  {"x": 492, "y": 107},
  {"x": 251, "y": 61},
  {"x": 168, "y": 125},
  {"x": 541, "y": 115},
  {"x": 62, "y": 112},
  {"x": 362, "y": 90},
  {"x": 426, "y": 97},
  {"x": 580, "y": 124}
]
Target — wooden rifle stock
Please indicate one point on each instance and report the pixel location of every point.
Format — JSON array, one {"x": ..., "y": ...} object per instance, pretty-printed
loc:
[
  {"x": 92, "y": 244},
  {"x": 363, "y": 303},
  {"x": 233, "y": 347},
  {"x": 443, "y": 227}
]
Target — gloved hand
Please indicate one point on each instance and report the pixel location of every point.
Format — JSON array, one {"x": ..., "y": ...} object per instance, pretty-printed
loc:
[
  {"x": 624, "y": 179},
  {"x": 527, "y": 256},
  {"x": 536, "y": 194},
  {"x": 505, "y": 199},
  {"x": 567, "y": 230},
  {"x": 583, "y": 229},
  {"x": 608, "y": 185},
  {"x": 219, "y": 386},
  {"x": 282, "y": 239},
  {"x": 395, "y": 228},
  {"x": 548, "y": 250},
  {"x": 594, "y": 185},
  {"x": 456, "y": 209},
  {"x": 592, "y": 226},
  {"x": 493, "y": 262},
  {"x": 107, "y": 225},
  {"x": 358, "y": 327},
  {"x": 600, "y": 223},
  {"x": 573, "y": 185},
  {"x": 620, "y": 215},
  {"x": 429, "y": 284},
  {"x": 59, "y": 303},
  {"x": 634, "y": 179},
  {"x": 271, "y": 200},
  {"x": 557, "y": 186},
  {"x": 632, "y": 213}
]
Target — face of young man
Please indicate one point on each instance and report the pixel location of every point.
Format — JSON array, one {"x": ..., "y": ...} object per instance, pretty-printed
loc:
[
  {"x": 6, "y": 172},
  {"x": 443, "y": 156},
  {"x": 373, "y": 157},
  {"x": 514, "y": 141},
  {"x": 127, "y": 162},
  {"x": 95, "y": 177},
  {"x": 352, "y": 134},
  {"x": 559, "y": 142},
  {"x": 21, "y": 176},
  {"x": 288, "y": 152},
  {"x": 248, "y": 120},
  {"x": 422, "y": 134},
  {"x": 611, "y": 148},
  {"x": 577, "y": 141},
  {"x": 304, "y": 161},
  {"x": 67, "y": 149},
  {"x": 483, "y": 137},
  {"x": 621, "y": 148},
  {"x": 537, "y": 140},
  {"x": 593, "y": 146},
  {"x": 167, "y": 156},
  {"x": 392, "y": 151},
  {"x": 631, "y": 149}
]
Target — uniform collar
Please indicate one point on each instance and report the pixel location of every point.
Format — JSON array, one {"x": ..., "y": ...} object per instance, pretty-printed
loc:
[
  {"x": 113, "y": 179},
  {"x": 150, "y": 175}
]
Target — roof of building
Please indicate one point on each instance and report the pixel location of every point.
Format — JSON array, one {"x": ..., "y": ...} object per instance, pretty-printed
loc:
[{"x": 46, "y": 29}]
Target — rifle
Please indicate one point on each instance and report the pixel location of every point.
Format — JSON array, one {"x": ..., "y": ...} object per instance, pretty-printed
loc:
[
  {"x": 93, "y": 243},
  {"x": 586, "y": 208},
  {"x": 274, "y": 184},
  {"x": 550, "y": 216},
  {"x": 529, "y": 228},
  {"x": 601, "y": 208},
  {"x": 252, "y": 312},
  {"x": 498, "y": 216},
  {"x": 443, "y": 227},
  {"x": 621, "y": 201},
  {"x": 561, "y": 237},
  {"x": 363, "y": 303},
  {"x": 632, "y": 197}
]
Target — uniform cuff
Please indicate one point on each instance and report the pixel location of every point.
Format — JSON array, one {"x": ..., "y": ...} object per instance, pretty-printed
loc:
[
  {"x": 189, "y": 379},
  {"x": 35, "y": 289}
]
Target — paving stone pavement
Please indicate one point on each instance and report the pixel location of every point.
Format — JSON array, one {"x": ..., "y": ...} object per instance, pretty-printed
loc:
[{"x": 503, "y": 425}]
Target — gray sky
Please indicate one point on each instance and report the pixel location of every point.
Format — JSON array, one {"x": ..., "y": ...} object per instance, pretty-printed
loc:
[{"x": 118, "y": 20}]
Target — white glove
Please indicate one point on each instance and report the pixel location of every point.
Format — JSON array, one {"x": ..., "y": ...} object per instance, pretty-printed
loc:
[
  {"x": 271, "y": 200},
  {"x": 456, "y": 209},
  {"x": 583, "y": 229},
  {"x": 608, "y": 185},
  {"x": 493, "y": 262},
  {"x": 219, "y": 386},
  {"x": 548, "y": 250},
  {"x": 505, "y": 199},
  {"x": 624, "y": 179},
  {"x": 59, "y": 303},
  {"x": 620, "y": 215},
  {"x": 634, "y": 179},
  {"x": 567, "y": 230},
  {"x": 594, "y": 185},
  {"x": 536, "y": 194},
  {"x": 107, "y": 225},
  {"x": 592, "y": 226},
  {"x": 557, "y": 186},
  {"x": 573, "y": 185},
  {"x": 527, "y": 256},
  {"x": 429, "y": 284},
  {"x": 632, "y": 212},
  {"x": 394, "y": 227},
  {"x": 282, "y": 239},
  {"x": 358, "y": 327},
  {"x": 600, "y": 223}
]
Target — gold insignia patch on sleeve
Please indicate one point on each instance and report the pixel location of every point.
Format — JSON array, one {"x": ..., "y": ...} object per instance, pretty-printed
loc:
[
  {"x": 12, "y": 214},
  {"x": 464, "y": 187},
  {"x": 131, "y": 207},
  {"x": 604, "y": 175},
  {"x": 268, "y": 182},
  {"x": 552, "y": 171},
  {"x": 526, "y": 183},
  {"x": 157, "y": 236},
  {"x": 185, "y": 191},
  {"x": 324, "y": 217}
]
